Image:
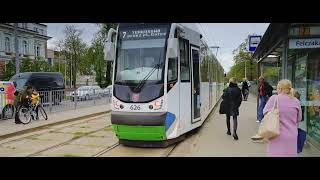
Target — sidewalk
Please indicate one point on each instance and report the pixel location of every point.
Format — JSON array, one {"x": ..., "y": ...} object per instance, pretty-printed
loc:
[
  {"x": 9, "y": 128},
  {"x": 212, "y": 140}
]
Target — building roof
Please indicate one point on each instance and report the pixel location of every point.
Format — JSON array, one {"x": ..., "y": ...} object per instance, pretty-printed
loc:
[
  {"x": 9, "y": 26},
  {"x": 273, "y": 36}
]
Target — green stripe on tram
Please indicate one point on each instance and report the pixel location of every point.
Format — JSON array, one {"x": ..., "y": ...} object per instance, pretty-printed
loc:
[{"x": 142, "y": 133}]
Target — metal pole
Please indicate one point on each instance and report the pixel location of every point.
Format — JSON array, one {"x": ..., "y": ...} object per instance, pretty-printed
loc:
[
  {"x": 65, "y": 73},
  {"x": 94, "y": 96},
  {"x": 16, "y": 47},
  {"x": 71, "y": 78},
  {"x": 59, "y": 60},
  {"x": 75, "y": 98},
  {"x": 245, "y": 69},
  {"x": 50, "y": 100}
]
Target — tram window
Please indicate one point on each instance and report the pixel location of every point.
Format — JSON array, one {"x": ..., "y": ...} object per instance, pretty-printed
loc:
[
  {"x": 184, "y": 60},
  {"x": 172, "y": 69}
]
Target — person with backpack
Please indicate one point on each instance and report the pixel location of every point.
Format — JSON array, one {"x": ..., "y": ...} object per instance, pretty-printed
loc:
[
  {"x": 264, "y": 93},
  {"x": 245, "y": 89},
  {"x": 232, "y": 99}
]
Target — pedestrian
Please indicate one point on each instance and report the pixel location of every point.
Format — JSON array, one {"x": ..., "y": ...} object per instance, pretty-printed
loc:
[
  {"x": 302, "y": 134},
  {"x": 232, "y": 96},
  {"x": 245, "y": 89},
  {"x": 285, "y": 144},
  {"x": 265, "y": 91}
]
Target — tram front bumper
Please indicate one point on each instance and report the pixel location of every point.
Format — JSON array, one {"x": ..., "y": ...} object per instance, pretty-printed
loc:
[
  {"x": 139, "y": 126},
  {"x": 142, "y": 133}
]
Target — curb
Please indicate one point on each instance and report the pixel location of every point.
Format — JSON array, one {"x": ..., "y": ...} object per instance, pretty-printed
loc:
[{"x": 25, "y": 131}]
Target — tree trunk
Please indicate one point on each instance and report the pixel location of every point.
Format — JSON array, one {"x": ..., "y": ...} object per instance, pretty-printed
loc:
[
  {"x": 75, "y": 74},
  {"x": 70, "y": 74}
]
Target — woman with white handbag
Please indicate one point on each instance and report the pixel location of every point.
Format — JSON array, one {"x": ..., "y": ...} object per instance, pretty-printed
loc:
[{"x": 282, "y": 141}]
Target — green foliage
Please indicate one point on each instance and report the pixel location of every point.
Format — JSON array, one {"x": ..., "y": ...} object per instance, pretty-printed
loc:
[
  {"x": 27, "y": 65},
  {"x": 204, "y": 70},
  {"x": 102, "y": 68},
  {"x": 10, "y": 70},
  {"x": 242, "y": 58}
]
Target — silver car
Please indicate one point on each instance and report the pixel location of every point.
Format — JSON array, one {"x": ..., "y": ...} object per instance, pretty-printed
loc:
[
  {"x": 87, "y": 92},
  {"x": 108, "y": 91}
]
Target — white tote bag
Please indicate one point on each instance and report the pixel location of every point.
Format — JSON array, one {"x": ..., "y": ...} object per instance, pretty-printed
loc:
[{"x": 270, "y": 125}]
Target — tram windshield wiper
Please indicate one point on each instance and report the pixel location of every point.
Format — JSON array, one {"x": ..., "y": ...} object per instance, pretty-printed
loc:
[{"x": 142, "y": 82}]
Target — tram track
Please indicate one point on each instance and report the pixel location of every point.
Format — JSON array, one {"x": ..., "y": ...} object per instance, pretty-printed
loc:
[
  {"x": 65, "y": 142},
  {"x": 48, "y": 128},
  {"x": 109, "y": 148}
]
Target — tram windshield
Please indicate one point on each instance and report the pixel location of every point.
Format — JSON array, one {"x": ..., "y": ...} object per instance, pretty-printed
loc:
[
  {"x": 139, "y": 57},
  {"x": 139, "y": 66}
]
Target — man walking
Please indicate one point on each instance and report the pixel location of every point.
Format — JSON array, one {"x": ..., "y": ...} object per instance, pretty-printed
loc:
[{"x": 265, "y": 91}]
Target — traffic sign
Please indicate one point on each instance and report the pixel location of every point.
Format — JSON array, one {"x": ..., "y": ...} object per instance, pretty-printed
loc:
[{"x": 254, "y": 42}]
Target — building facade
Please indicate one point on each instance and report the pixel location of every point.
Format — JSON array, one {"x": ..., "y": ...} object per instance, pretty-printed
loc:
[
  {"x": 32, "y": 42},
  {"x": 293, "y": 50}
]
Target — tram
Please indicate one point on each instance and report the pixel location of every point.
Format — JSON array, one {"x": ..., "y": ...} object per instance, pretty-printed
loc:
[{"x": 166, "y": 81}]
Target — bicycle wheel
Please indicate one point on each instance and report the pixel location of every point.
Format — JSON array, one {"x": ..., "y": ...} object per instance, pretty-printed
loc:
[
  {"x": 8, "y": 111},
  {"x": 42, "y": 113},
  {"x": 24, "y": 115}
]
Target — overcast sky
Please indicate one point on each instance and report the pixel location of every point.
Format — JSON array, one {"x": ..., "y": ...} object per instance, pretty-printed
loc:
[{"x": 228, "y": 36}]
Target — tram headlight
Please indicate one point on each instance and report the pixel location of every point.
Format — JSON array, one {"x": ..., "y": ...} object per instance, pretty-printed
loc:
[
  {"x": 157, "y": 104},
  {"x": 117, "y": 104}
]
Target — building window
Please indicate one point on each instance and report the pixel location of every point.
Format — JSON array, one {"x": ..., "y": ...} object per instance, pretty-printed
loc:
[
  {"x": 50, "y": 61},
  {"x": 38, "y": 51},
  {"x": 7, "y": 45},
  {"x": 41, "y": 31},
  {"x": 25, "y": 25},
  {"x": 25, "y": 47}
]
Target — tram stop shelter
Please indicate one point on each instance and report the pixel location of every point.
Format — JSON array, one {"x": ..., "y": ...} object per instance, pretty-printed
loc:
[{"x": 292, "y": 51}]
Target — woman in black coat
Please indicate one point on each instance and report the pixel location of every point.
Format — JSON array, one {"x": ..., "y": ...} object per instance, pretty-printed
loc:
[{"x": 233, "y": 98}]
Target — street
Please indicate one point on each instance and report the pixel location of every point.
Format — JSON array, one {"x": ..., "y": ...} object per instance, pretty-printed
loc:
[{"x": 93, "y": 137}]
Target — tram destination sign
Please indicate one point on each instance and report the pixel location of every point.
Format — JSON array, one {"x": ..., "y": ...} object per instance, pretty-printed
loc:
[
  {"x": 304, "y": 43},
  {"x": 143, "y": 33}
]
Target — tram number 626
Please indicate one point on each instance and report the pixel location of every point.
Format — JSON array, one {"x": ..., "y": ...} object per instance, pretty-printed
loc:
[{"x": 134, "y": 107}]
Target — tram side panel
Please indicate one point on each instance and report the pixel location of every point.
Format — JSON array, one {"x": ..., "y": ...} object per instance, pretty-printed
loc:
[{"x": 173, "y": 119}]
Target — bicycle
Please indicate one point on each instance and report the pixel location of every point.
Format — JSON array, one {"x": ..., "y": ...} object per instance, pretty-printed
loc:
[{"x": 27, "y": 112}]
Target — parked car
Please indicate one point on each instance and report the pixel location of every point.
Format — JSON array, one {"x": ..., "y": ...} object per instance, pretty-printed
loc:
[
  {"x": 86, "y": 93},
  {"x": 98, "y": 90},
  {"x": 108, "y": 91},
  {"x": 44, "y": 82}
]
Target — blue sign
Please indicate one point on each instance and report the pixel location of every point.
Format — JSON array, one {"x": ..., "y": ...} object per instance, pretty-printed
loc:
[{"x": 254, "y": 42}]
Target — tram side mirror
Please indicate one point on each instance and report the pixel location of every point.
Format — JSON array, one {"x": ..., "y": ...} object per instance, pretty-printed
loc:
[
  {"x": 109, "y": 48},
  {"x": 172, "y": 47},
  {"x": 109, "y": 51}
]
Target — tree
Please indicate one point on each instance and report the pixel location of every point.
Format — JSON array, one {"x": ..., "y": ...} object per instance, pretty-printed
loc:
[
  {"x": 102, "y": 37},
  {"x": 95, "y": 54},
  {"x": 10, "y": 70},
  {"x": 74, "y": 48},
  {"x": 243, "y": 60},
  {"x": 26, "y": 65}
]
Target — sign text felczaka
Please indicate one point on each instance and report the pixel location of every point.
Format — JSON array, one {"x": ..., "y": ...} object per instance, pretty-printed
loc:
[
  {"x": 147, "y": 33},
  {"x": 304, "y": 43}
]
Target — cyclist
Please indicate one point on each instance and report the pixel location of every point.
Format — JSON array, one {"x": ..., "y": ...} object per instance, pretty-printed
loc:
[
  {"x": 35, "y": 98},
  {"x": 22, "y": 98}
]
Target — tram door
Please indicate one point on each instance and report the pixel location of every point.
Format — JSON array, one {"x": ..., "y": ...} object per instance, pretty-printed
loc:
[
  {"x": 195, "y": 84},
  {"x": 185, "y": 81}
]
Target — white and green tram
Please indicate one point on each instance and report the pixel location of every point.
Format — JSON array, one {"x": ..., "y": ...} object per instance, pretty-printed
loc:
[{"x": 166, "y": 81}]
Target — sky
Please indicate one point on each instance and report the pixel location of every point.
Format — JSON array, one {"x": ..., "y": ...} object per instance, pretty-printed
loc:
[{"x": 228, "y": 36}]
